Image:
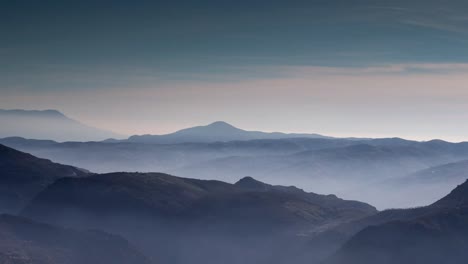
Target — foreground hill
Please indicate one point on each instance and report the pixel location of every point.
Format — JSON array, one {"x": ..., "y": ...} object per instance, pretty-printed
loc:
[
  {"x": 22, "y": 176},
  {"x": 23, "y": 241},
  {"x": 195, "y": 221},
  {"x": 48, "y": 124},
  {"x": 214, "y": 132},
  {"x": 434, "y": 234}
]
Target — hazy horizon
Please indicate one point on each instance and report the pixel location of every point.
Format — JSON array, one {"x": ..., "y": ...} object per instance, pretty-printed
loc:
[
  {"x": 122, "y": 135},
  {"x": 362, "y": 69},
  {"x": 159, "y": 143}
]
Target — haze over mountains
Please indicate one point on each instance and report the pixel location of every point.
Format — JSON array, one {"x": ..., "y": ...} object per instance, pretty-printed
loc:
[
  {"x": 212, "y": 212},
  {"x": 159, "y": 218},
  {"x": 300, "y": 150}
]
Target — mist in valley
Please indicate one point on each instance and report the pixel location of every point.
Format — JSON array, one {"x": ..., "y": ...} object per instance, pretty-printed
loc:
[{"x": 380, "y": 172}]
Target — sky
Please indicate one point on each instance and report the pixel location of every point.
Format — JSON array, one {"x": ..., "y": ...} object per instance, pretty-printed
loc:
[{"x": 342, "y": 68}]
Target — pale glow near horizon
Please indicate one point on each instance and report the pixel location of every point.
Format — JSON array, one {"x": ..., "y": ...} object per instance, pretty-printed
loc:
[{"x": 413, "y": 101}]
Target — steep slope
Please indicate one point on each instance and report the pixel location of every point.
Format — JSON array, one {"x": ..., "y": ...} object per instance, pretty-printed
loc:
[
  {"x": 22, "y": 176},
  {"x": 23, "y": 241},
  {"x": 48, "y": 124},
  {"x": 434, "y": 234},
  {"x": 193, "y": 220},
  {"x": 214, "y": 132}
]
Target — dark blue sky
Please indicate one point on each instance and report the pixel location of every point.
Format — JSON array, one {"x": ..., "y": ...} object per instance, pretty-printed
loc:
[{"x": 52, "y": 48}]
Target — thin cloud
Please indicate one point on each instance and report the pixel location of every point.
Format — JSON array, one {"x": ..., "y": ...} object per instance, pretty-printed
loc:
[{"x": 437, "y": 25}]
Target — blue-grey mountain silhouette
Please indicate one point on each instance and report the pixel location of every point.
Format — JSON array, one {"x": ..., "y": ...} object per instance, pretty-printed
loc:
[{"x": 48, "y": 124}]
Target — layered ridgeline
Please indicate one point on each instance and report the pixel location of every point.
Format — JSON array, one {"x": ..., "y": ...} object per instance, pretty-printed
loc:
[
  {"x": 22, "y": 176},
  {"x": 379, "y": 171},
  {"x": 180, "y": 220},
  {"x": 437, "y": 233},
  {"x": 23, "y": 241},
  {"x": 48, "y": 124}
]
